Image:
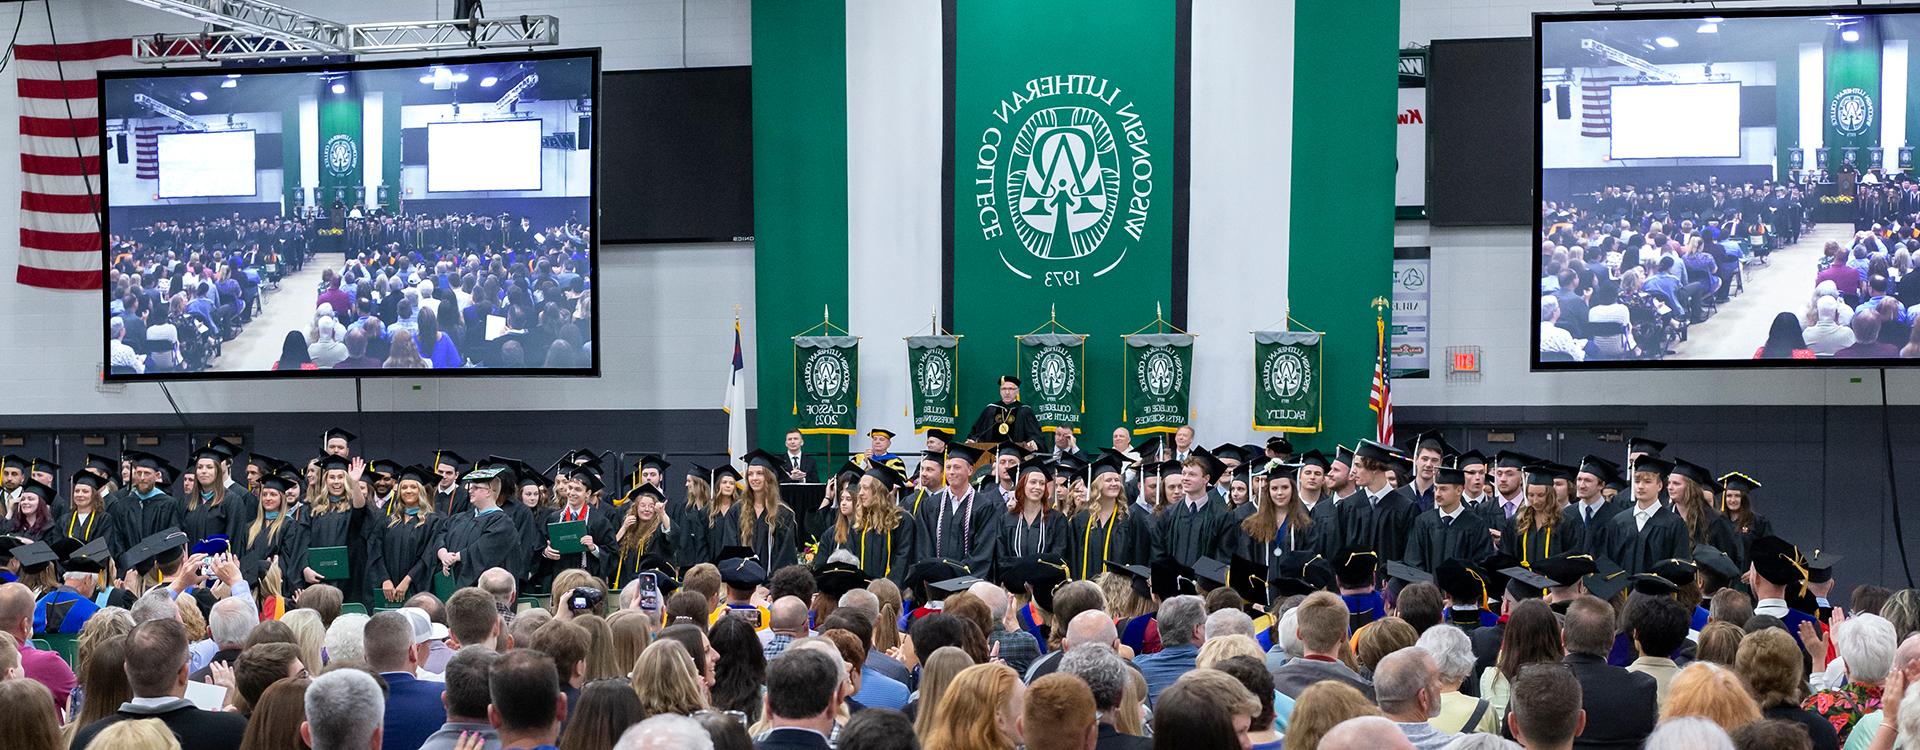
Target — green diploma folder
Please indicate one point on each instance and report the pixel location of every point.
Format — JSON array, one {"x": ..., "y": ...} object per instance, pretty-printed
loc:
[
  {"x": 564, "y": 536},
  {"x": 329, "y": 562}
]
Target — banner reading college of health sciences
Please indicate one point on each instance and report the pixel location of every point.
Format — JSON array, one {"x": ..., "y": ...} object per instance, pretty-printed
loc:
[{"x": 1066, "y": 186}]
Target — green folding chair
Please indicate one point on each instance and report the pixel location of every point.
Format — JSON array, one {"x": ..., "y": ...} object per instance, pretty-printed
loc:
[
  {"x": 528, "y": 602},
  {"x": 64, "y": 644},
  {"x": 353, "y": 607}
]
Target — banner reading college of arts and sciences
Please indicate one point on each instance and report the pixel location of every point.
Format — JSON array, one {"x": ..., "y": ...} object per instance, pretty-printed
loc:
[
  {"x": 1853, "y": 102},
  {"x": 1066, "y": 173},
  {"x": 933, "y": 362},
  {"x": 1052, "y": 365},
  {"x": 826, "y": 384},
  {"x": 1159, "y": 375},
  {"x": 1287, "y": 383}
]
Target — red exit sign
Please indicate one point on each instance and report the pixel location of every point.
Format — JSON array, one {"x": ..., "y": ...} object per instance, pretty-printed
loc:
[{"x": 1466, "y": 362}]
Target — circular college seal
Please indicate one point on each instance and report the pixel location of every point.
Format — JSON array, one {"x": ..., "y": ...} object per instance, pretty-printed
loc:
[
  {"x": 1285, "y": 373},
  {"x": 341, "y": 155},
  {"x": 1159, "y": 373},
  {"x": 936, "y": 374},
  {"x": 828, "y": 374},
  {"x": 1052, "y": 372},
  {"x": 1851, "y": 111}
]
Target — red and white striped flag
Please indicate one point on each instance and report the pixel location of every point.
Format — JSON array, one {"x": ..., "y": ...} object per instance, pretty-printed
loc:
[
  {"x": 1381, "y": 399},
  {"x": 1596, "y": 104},
  {"x": 60, "y": 161}
]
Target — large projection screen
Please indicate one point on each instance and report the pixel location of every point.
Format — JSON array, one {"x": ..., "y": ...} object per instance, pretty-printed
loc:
[
  {"x": 1647, "y": 121},
  {"x": 474, "y": 156},
  {"x": 1723, "y": 188},
  {"x": 205, "y": 165}
]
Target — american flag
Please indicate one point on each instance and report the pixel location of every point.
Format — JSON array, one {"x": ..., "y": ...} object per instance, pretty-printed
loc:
[
  {"x": 60, "y": 161},
  {"x": 1596, "y": 104},
  {"x": 1381, "y": 400}
]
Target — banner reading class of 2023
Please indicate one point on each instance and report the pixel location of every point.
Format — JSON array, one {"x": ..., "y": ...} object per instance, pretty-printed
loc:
[
  {"x": 1286, "y": 381},
  {"x": 1159, "y": 378},
  {"x": 826, "y": 384},
  {"x": 1053, "y": 366},
  {"x": 1066, "y": 157},
  {"x": 934, "y": 364}
]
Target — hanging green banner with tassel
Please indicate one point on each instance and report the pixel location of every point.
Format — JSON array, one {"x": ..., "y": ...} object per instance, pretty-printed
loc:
[
  {"x": 1286, "y": 378},
  {"x": 826, "y": 384},
  {"x": 1054, "y": 365},
  {"x": 933, "y": 364},
  {"x": 1159, "y": 379}
]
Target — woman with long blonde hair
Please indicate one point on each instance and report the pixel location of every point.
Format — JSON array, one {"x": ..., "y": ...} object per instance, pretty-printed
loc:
[
  {"x": 879, "y": 533},
  {"x": 979, "y": 710},
  {"x": 400, "y": 553},
  {"x": 1032, "y": 526},
  {"x": 936, "y": 673},
  {"x": 1712, "y": 692},
  {"x": 885, "y": 634},
  {"x": 85, "y": 519},
  {"x": 1534, "y": 532},
  {"x": 631, "y": 631},
  {"x": 760, "y": 521},
  {"x": 260, "y": 544},
  {"x": 667, "y": 681},
  {"x": 1321, "y": 707},
  {"x": 1688, "y": 486},
  {"x": 645, "y": 531},
  {"x": 1105, "y": 531},
  {"x": 208, "y": 512}
]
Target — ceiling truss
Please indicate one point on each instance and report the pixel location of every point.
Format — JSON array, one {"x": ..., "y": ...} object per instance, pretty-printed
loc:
[{"x": 257, "y": 29}]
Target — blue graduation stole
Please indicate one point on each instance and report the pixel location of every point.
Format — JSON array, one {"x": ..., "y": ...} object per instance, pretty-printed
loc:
[
  {"x": 1134, "y": 635},
  {"x": 1370, "y": 604},
  {"x": 1031, "y": 624},
  {"x": 1700, "y": 617}
]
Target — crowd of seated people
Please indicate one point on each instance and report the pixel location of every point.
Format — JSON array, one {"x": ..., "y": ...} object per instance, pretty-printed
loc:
[
  {"x": 182, "y": 288},
  {"x": 1862, "y": 303}
]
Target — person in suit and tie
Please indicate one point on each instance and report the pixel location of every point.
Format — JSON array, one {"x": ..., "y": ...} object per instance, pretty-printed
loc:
[
  {"x": 1628, "y": 700},
  {"x": 803, "y": 695},
  {"x": 1648, "y": 532},
  {"x": 396, "y": 646},
  {"x": 796, "y": 466},
  {"x": 1591, "y": 510}
]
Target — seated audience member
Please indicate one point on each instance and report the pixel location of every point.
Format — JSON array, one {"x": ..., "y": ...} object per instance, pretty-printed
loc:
[
  {"x": 1771, "y": 734},
  {"x": 344, "y": 712},
  {"x": 1058, "y": 714},
  {"x": 1658, "y": 625},
  {"x": 667, "y": 681},
  {"x": 1204, "y": 708},
  {"x": 1719, "y": 642},
  {"x": 28, "y": 720},
  {"x": 803, "y": 697},
  {"x": 259, "y": 667},
  {"x": 1182, "y": 622},
  {"x": 1530, "y": 636},
  {"x": 1689, "y": 733},
  {"x": 980, "y": 705},
  {"x": 473, "y": 620},
  {"x": 1406, "y": 685},
  {"x": 468, "y": 697},
  {"x": 605, "y": 709},
  {"x": 1324, "y": 705},
  {"x": 277, "y": 716},
  {"x": 1265, "y": 729},
  {"x": 1629, "y": 701},
  {"x": 1322, "y": 628},
  {"x": 1712, "y": 692},
  {"x": 528, "y": 706},
  {"x": 1770, "y": 663},
  {"x": 666, "y": 732},
  {"x": 1546, "y": 711},
  {"x": 395, "y": 645},
  {"x": 1107, "y": 676},
  {"x": 1365, "y": 733},
  {"x": 1087, "y": 627},
  {"x": 1452, "y": 655},
  {"x": 1867, "y": 344},
  {"x": 1866, "y": 646},
  {"x": 45, "y": 667},
  {"x": 143, "y": 734},
  {"x": 878, "y": 729},
  {"x": 157, "y": 672}
]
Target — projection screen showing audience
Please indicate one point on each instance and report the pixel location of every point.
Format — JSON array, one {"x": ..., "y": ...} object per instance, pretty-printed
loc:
[
  {"x": 356, "y": 220},
  {"x": 1727, "y": 188}
]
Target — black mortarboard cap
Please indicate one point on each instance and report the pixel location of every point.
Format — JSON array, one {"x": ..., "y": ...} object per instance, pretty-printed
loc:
[
  {"x": 1014, "y": 379},
  {"x": 764, "y": 460},
  {"x": 385, "y": 467},
  {"x": 526, "y": 476},
  {"x": 1343, "y": 455},
  {"x": 42, "y": 466},
  {"x": 1249, "y": 579},
  {"x": 837, "y": 578},
  {"x": 1109, "y": 462},
  {"x": 329, "y": 462},
  {"x": 1734, "y": 480},
  {"x": 1375, "y": 451},
  {"x": 726, "y": 472},
  {"x": 1699, "y": 474},
  {"x": 1520, "y": 577},
  {"x": 654, "y": 460},
  {"x": 970, "y": 453},
  {"x": 91, "y": 557},
  {"x": 104, "y": 465},
  {"x": 1566, "y": 569},
  {"x": 89, "y": 479},
  {"x": 699, "y": 470},
  {"x": 1151, "y": 448},
  {"x": 1012, "y": 448},
  {"x": 583, "y": 457},
  {"x": 1230, "y": 452},
  {"x": 1653, "y": 464},
  {"x": 740, "y": 567},
  {"x": 336, "y": 432},
  {"x": 891, "y": 480},
  {"x": 1434, "y": 440},
  {"x": 1036, "y": 464},
  {"x": 1619, "y": 482},
  {"x": 1280, "y": 444},
  {"x": 1470, "y": 458},
  {"x": 1140, "y": 577},
  {"x": 850, "y": 471},
  {"x": 1491, "y": 565},
  {"x": 1462, "y": 581},
  {"x": 266, "y": 463},
  {"x": 164, "y": 549},
  {"x": 936, "y": 433},
  {"x": 584, "y": 474},
  {"x": 1171, "y": 579},
  {"x": 1598, "y": 467},
  {"x": 1673, "y": 570},
  {"x": 29, "y": 484},
  {"x": 1043, "y": 572},
  {"x": 425, "y": 476},
  {"x": 881, "y": 432},
  {"x": 227, "y": 449},
  {"x": 648, "y": 490},
  {"x": 1404, "y": 572},
  {"x": 1820, "y": 566},
  {"x": 1540, "y": 474},
  {"x": 1354, "y": 568},
  {"x": 1314, "y": 458},
  {"x": 1648, "y": 446},
  {"x": 1301, "y": 572},
  {"x": 1213, "y": 464},
  {"x": 1711, "y": 559},
  {"x": 34, "y": 556},
  {"x": 1608, "y": 581},
  {"x": 1447, "y": 475},
  {"x": 276, "y": 482},
  {"x": 944, "y": 588},
  {"x": 449, "y": 458},
  {"x": 936, "y": 569},
  {"x": 1653, "y": 583},
  {"x": 1211, "y": 572},
  {"x": 145, "y": 459},
  {"x": 1513, "y": 460}
]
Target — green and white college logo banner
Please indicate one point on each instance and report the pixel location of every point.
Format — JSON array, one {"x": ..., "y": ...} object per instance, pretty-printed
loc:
[
  {"x": 826, "y": 384},
  {"x": 1159, "y": 376},
  {"x": 340, "y": 144},
  {"x": 1052, "y": 364},
  {"x": 934, "y": 364},
  {"x": 1065, "y": 169},
  {"x": 1286, "y": 381},
  {"x": 1852, "y": 96}
]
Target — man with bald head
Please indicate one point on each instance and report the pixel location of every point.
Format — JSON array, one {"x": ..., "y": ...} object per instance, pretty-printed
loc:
[
  {"x": 1365, "y": 733},
  {"x": 45, "y": 667},
  {"x": 786, "y": 621},
  {"x": 1407, "y": 686},
  {"x": 498, "y": 583},
  {"x": 1018, "y": 648},
  {"x": 1090, "y": 627}
]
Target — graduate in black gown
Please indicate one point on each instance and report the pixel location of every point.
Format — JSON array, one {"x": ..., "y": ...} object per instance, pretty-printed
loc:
[
  {"x": 1032, "y": 526},
  {"x": 1375, "y": 517},
  {"x": 708, "y": 495},
  {"x": 1276, "y": 525},
  {"x": 336, "y": 515},
  {"x": 1538, "y": 530},
  {"x": 84, "y": 521},
  {"x": 960, "y": 522},
  {"x": 1448, "y": 529},
  {"x": 645, "y": 531},
  {"x": 826, "y": 527},
  {"x": 528, "y": 506},
  {"x": 1634, "y": 544},
  {"x": 1196, "y": 522},
  {"x": 1690, "y": 486},
  {"x": 402, "y": 563},
  {"x": 1591, "y": 511},
  {"x": 261, "y": 546},
  {"x": 1007, "y": 420},
  {"x": 482, "y": 538},
  {"x": 760, "y": 520},
  {"x": 32, "y": 517},
  {"x": 574, "y": 507},
  {"x": 1736, "y": 503},
  {"x": 144, "y": 508},
  {"x": 883, "y": 539},
  {"x": 1109, "y": 529},
  {"x": 210, "y": 506}
]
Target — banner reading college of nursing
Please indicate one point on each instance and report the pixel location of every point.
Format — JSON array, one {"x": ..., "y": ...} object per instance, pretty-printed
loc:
[
  {"x": 1052, "y": 365},
  {"x": 1066, "y": 172},
  {"x": 933, "y": 362},
  {"x": 1286, "y": 381},
  {"x": 1853, "y": 103},
  {"x": 1159, "y": 375},
  {"x": 826, "y": 384}
]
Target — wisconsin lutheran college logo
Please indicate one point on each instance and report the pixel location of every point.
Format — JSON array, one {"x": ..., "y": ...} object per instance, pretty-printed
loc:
[
  {"x": 936, "y": 373},
  {"x": 828, "y": 375},
  {"x": 1052, "y": 372},
  {"x": 1068, "y": 161},
  {"x": 1850, "y": 112},
  {"x": 1159, "y": 373},
  {"x": 1286, "y": 373},
  {"x": 341, "y": 155}
]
